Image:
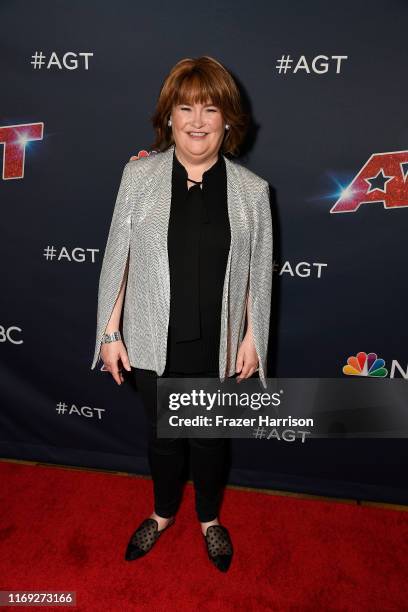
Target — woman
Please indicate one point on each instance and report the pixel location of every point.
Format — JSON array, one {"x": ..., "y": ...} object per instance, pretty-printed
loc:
[{"x": 189, "y": 257}]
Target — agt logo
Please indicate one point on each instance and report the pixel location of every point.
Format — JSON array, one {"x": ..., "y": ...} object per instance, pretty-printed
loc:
[
  {"x": 370, "y": 364},
  {"x": 382, "y": 179},
  {"x": 14, "y": 139}
]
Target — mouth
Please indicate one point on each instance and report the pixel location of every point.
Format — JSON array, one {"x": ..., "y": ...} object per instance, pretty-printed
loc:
[{"x": 197, "y": 135}]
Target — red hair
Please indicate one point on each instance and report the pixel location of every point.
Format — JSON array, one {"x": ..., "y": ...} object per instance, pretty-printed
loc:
[{"x": 201, "y": 80}]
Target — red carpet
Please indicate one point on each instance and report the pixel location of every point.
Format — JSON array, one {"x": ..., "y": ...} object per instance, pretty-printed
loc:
[{"x": 63, "y": 529}]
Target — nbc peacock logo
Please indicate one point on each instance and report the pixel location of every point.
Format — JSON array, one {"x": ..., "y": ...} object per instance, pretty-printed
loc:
[{"x": 365, "y": 365}]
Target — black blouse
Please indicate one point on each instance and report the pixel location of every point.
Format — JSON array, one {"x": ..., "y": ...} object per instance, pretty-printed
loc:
[{"x": 198, "y": 246}]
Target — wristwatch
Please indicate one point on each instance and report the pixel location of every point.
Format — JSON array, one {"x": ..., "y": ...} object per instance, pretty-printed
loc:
[{"x": 116, "y": 335}]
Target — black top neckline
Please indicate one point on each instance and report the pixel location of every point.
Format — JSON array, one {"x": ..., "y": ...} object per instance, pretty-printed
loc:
[{"x": 214, "y": 171}]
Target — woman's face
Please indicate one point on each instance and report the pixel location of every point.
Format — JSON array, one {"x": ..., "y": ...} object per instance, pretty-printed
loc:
[{"x": 198, "y": 130}]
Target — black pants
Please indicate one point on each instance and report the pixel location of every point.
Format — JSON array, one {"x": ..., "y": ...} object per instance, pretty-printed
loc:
[{"x": 166, "y": 457}]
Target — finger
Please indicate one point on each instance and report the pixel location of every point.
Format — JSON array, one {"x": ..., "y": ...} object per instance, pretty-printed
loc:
[
  {"x": 125, "y": 361},
  {"x": 116, "y": 374},
  {"x": 247, "y": 371},
  {"x": 244, "y": 373}
]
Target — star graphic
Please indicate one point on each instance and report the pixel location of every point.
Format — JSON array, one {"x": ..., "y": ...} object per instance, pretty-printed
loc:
[
  {"x": 404, "y": 169},
  {"x": 378, "y": 181}
]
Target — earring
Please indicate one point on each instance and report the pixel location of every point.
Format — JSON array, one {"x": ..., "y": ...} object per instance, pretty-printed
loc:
[
  {"x": 169, "y": 122},
  {"x": 227, "y": 127}
]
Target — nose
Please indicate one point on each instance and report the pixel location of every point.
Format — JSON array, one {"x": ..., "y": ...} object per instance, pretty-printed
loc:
[{"x": 198, "y": 118}]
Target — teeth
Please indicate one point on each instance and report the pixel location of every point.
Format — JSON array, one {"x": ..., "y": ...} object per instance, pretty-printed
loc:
[{"x": 197, "y": 133}]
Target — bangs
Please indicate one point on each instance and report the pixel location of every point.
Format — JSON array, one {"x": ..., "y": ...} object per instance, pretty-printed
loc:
[{"x": 196, "y": 88}]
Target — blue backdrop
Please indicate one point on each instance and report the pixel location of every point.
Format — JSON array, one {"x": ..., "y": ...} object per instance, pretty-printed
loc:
[{"x": 327, "y": 88}]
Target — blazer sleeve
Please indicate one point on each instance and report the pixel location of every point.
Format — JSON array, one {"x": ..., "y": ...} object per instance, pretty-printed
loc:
[
  {"x": 114, "y": 259},
  {"x": 260, "y": 277}
]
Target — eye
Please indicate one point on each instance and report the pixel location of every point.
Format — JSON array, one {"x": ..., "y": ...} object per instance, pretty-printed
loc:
[
  {"x": 185, "y": 108},
  {"x": 212, "y": 110}
]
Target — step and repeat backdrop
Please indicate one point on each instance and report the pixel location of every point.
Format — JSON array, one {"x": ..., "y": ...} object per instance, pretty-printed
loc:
[{"x": 326, "y": 87}]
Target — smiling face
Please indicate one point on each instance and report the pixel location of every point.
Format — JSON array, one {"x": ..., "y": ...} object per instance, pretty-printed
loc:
[{"x": 198, "y": 130}]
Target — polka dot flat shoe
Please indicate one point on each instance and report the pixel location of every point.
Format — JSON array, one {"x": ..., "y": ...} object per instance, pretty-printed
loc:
[
  {"x": 144, "y": 538},
  {"x": 219, "y": 546}
]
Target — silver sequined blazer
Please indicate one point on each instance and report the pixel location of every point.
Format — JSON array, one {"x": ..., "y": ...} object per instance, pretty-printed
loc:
[{"x": 139, "y": 230}]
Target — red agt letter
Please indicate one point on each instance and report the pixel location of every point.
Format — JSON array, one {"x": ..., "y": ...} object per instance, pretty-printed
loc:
[
  {"x": 383, "y": 178},
  {"x": 14, "y": 139}
]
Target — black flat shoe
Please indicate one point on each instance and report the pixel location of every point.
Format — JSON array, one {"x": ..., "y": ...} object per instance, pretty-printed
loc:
[
  {"x": 219, "y": 546},
  {"x": 144, "y": 538}
]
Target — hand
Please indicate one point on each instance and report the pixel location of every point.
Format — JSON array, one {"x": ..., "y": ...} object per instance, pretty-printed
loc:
[
  {"x": 247, "y": 358},
  {"x": 112, "y": 354}
]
